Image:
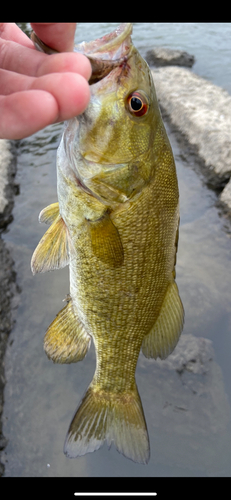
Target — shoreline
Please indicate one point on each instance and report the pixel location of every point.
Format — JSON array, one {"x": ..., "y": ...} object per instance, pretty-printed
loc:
[
  {"x": 8, "y": 287},
  {"x": 196, "y": 109}
]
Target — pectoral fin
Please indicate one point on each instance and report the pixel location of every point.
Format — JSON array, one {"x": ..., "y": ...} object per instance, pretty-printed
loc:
[
  {"x": 49, "y": 214},
  {"x": 164, "y": 335},
  {"x": 105, "y": 241},
  {"x": 52, "y": 251},
  {"x": 66, "y": 340}
]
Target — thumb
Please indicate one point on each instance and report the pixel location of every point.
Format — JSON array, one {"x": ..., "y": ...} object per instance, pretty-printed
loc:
[{"x": 58, "y": 36}]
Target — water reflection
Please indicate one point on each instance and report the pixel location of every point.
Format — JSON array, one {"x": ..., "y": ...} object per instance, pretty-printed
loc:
[
  {"x": 44, "y": 142},
  {"x": 188, "y": 408}
]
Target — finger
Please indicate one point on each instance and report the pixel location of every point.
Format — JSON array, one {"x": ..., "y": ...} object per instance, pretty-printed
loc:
[
  {"x": 24, "y": 113},
  {"x": 30, "y": 62},
  {"x": 70, "y": 95},
  {"x": 66, "y": 62},
  {"x": 70, "y": 90},
  {"x": 14, "y": 57},
  {"x": 58, "y": 36},
  {"x": 11, "y": 82},
  {"x": 10, "y": 31}
]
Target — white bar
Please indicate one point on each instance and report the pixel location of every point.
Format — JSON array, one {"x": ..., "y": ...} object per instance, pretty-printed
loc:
[{"x": 116, "y": 494}]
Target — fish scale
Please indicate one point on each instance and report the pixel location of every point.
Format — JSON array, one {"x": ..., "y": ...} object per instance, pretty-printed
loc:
[
  {"x": 122, "y": 323},
  {"x": 116, "y": 225}
]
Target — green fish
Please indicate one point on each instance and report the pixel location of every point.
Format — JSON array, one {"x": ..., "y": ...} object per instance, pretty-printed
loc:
[{"x": 116, "y": 226}]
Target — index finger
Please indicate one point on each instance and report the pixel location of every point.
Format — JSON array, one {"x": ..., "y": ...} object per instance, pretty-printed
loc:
[
  {"x": 10, "y": 31},
  {"x": 31, "y": 62}
]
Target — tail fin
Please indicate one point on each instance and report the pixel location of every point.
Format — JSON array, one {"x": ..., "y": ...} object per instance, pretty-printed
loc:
[{"x": 109, "y": 416}]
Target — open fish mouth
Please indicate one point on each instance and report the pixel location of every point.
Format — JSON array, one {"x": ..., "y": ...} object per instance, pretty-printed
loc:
[
  {"x": 107, "y": 52},
  {"x": 107, "y": 45},
  {"x": 104, "y": 54}
]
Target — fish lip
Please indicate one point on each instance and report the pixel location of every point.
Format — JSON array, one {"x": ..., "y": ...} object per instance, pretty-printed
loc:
[
  {"x": 107, "y": 52},
  {"x": 102, "y": 68},
  {"x": 115, "y": 38},
  {"x": 106, "y": 44}
]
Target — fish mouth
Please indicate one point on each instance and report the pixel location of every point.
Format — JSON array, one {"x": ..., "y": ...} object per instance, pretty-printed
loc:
[
  {"x": 107, "y": 52},
  {"x": 104, "y": 54}
]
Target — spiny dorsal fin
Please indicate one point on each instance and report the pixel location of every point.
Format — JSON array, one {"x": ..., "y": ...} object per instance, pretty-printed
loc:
[
  {"x": 52, "y": 250},
  {"x": 164, "y": 335},
  {"x": 66, "y": 340},
  {"x": 49, "y": 214},
  {"x": 105, "y": 241}
]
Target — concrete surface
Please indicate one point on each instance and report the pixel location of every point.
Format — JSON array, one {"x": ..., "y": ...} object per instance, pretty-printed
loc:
[
  {"x": 201, "y": 111},
  {"x": 161, "y": 56},
  {"x": 8, "y": 287}
]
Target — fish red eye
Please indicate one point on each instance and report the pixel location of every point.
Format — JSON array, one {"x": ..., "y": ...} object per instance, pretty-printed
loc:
[{"x": 137, "y": 104}]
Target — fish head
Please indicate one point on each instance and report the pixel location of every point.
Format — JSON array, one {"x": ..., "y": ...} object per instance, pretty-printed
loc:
[{"x": 116, "y": 132}]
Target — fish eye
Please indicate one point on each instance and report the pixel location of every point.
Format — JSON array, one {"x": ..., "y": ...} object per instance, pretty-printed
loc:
[{"x": 137, "y": 104}]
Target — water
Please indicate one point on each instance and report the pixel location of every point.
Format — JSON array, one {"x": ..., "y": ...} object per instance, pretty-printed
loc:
[
  {"x": 189, "y": 433},
  {"x": 209, "y": 42}
]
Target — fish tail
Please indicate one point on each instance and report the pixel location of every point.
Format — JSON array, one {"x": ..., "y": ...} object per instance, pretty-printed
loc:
[{"x": 115, "y": 417}]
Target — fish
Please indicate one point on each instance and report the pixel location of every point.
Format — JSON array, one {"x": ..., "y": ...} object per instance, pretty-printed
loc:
[{"x": 116, "y": 224}]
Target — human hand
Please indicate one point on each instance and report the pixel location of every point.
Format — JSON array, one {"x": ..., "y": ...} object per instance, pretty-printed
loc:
[{"x": 37, "y": 89}]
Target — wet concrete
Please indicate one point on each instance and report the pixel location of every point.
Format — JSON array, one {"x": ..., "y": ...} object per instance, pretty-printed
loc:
[{"x": 8, "y": 286}]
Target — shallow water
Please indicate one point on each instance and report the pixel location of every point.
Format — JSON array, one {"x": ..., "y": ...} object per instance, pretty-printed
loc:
[{"x": 189, "y": 435}]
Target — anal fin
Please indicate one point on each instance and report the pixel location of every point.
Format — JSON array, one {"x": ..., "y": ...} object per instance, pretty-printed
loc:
[
  {"x": 66, "y": 340},
  {"x": 165, "y": 333},
  {"x": 52, "y": 251},
  {"x": 105, "y": 241}
]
